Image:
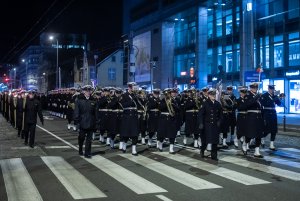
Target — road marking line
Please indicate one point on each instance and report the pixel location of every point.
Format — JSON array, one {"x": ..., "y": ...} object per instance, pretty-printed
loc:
[
  {"x": 122, "y": 175},
  {"x": 18, "y": 183},
  {"x": 129, "y": 179},
  {"x": 65, "y": 147},
  {"x": 291, "y": 149},
  {"x": 58, "y": 147},
  {"x": 162, "y": 197},
  {"x": 263, "y": 168},
  {"x": 214, "y": 169},
  {"x": 76, "y": 184},
  {"x": 283, "y": 154},
  {"x": 15, "y": 148},
  {"x": 257, "y": 166},
  {"x": 179, "y": 176},
  {"x": 273, "y": 159},
  {"x": 59, "y": 138}
]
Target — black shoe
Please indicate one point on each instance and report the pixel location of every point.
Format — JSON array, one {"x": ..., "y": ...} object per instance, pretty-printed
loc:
[
  {"x": 258, "y": 156},
  {"x": 134, "y": 154},
  {"x": 244, "y": 152},
  {"x": 172, "y": 152},
  {"x": 81, "y": 153},
  {"x": 273, "y": 149},
  {"x": 87, "y": 156},
  {"x": 160, "y": 150},
  {"x": 32, "y": 146},
  {"x": 202, "y": 154},
  {"x": 124, "y": 150},
  {"x": 215, "y": 159},
  {"x": 26, "y": 143}
]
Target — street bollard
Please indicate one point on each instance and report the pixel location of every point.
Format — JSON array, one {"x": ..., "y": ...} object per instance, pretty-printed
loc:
[{"x": 284, "y": 123}]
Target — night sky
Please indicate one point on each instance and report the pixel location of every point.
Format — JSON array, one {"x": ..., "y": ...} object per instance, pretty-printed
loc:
[{"x": 23, "y": 21}]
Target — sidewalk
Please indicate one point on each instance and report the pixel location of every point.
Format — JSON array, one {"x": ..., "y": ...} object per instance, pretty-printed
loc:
[{"x": 292, "y": 123}]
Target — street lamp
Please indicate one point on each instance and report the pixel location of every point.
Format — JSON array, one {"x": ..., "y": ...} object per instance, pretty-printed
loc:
[
  {"x": 96, "y": 69},
  {"x": 26, "y": 74},
  {"x": 58, "y": 83},
  {"x": 15, "y": 78}
]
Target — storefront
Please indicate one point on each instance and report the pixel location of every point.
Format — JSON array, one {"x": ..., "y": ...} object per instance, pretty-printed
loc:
[{"x": 294, "y": 96}]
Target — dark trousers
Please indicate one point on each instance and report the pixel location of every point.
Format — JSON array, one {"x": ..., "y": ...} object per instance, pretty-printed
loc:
[
  {"x": 133, "y": 139},
  {"x": 257, "y": 141},
  {"x": 30, "y": 132},
  {"x": 273, "y": 136},
  {"x": 171, "y": 140},
  {"x": 214, "y": 150},
  {"x": 85, "y": 135}
]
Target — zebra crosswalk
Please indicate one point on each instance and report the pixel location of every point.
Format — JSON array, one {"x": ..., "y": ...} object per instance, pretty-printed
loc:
[{"x": 19, "y": 184}]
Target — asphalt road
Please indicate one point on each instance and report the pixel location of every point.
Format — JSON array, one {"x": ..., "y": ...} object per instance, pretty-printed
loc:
[{"x": 53, "y": 170}]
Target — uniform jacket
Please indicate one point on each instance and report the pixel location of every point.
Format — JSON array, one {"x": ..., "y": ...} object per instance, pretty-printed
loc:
[
  {"x": 32, "y": 109},
  {"x": 85, "y": 112}
]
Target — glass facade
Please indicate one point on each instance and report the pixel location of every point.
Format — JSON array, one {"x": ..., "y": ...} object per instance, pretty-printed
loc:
[
  {"x": 221, "y": 35},
  {"x": 185, "y": 42}
]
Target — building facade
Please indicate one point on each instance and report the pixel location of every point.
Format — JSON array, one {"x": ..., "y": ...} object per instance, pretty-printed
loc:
[
  {"x": 41, "y": 65},
  {"x": 199, "y": 43},
  {"x": 110, "y": 70}
]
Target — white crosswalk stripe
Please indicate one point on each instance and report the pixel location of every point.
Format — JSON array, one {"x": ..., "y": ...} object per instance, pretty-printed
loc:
[
  {"x": 18, "y": 183},
  {"x": 214, "y": 169},
  {"x": 263, "y": 168},
  {"x": 272, "y": 159},
  {"x": 290, "y": 149},
  {"x": 129, "y": 179},
  {"x": 184, "y": 178},
  {"x": 76, "y": 184}
]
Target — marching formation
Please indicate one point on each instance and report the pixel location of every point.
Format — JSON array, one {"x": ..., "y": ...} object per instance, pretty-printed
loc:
[
  {"x": 205, "y": 116},
  {"x": 21, "y": 108}
]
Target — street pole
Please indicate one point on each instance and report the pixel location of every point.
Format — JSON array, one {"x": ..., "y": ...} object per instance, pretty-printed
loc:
[
  {"x": 96, "y": 69},
  {"x": 59, "y": 77},
  {"x": 26, "y": 80},
  {"x": 57, "y": 73}
]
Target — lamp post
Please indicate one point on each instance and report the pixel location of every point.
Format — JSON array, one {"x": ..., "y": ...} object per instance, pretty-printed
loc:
[
  {"x": 96, "y": 69},
  {"x": 26, "y": 73},
  {"x": 15, "y": 78},
  {"x": 58, "y": 83}
]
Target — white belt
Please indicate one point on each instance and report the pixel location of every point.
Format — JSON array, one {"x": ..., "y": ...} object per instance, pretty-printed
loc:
[
  {"x": 104, "y": 110},
  {"x": 269, "y": 108},
  {"x": 154, "y": 110},
  {"x": 242, "y": 112},
  {"x": 254, "y": 111},
  {"x": 130, "y": 108},
  {"x": 140, "y": 111},
  {"x": 191, "y": 111},
  {"x": 165, "y": 113},
  {"x": 117, "y": 110}
]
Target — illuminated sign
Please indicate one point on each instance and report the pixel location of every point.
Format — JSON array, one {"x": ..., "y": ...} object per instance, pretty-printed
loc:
[
  {"x": 183, "y": 73},
  {"x": 192, "y": 72},
  {"x": 292, "y": 73},
  {"x": 214, "y": 79}
]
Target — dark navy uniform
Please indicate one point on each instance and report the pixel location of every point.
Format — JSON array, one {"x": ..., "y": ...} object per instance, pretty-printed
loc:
[
  {"x": 268, "y": 101},
  {"x": 153, "y": 114},
  {"x": 167, "y": 121},
  {"x": 129, "y": 124},
  {"x": 255, "y": 124},
  {"x": 85, "y": 116},
  {"x": 210, "y": 118},
  {"x": 32, "y": 109}
]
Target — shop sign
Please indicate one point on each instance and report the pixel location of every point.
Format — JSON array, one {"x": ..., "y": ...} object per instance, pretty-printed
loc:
[
  {"x": 292, "y": 73},
  {"x": 253, "y": 76}
]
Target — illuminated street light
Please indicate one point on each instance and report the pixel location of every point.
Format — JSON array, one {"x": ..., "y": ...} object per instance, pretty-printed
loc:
[{"x": 58, "y": 83}]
